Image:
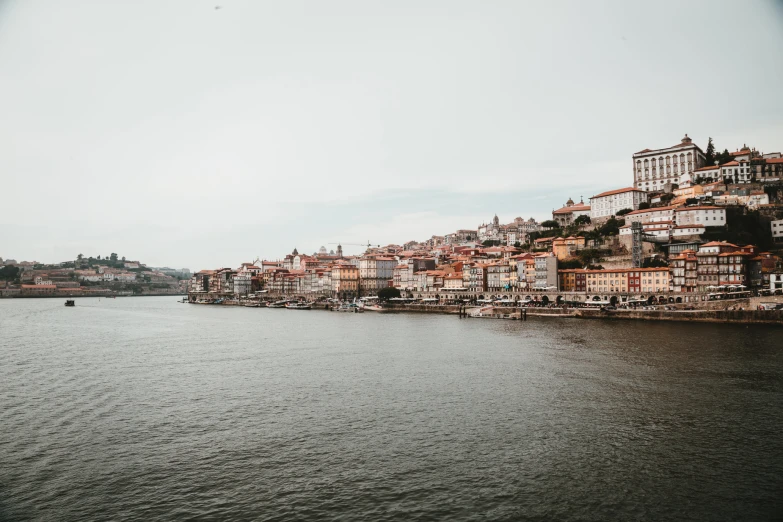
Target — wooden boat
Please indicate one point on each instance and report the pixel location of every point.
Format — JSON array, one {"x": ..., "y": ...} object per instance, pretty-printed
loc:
[{"x": 70, "y": 302}]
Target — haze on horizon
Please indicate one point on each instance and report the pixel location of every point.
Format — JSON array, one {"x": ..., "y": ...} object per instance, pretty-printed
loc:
[{"x": 189, "y": 136}]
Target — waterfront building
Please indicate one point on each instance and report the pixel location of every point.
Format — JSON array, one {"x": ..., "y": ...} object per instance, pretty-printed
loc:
[
  {"x": 546, "y": 271},
  {"x": 345, "y": 280},
  {"x": 567, "y": 214},
  {"x": 498, "y": 276},
  {"x": 573, "y": 280},
  {"x": 708, "y": 275},
  {"x": 654, "y": 168},
  {"x": 684, "y": 272},
  {"x": 478, "y": 278},
  {"x": 628, "y": 280},
  {"x": 607, "y": 204},
  {"x": 453, "y": 281}
]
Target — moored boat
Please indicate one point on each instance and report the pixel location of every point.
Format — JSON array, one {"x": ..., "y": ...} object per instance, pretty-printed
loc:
[
  {"x": 277, "y": 304},
  {"x": 70, "y": 302},
  {"x": 298, "y": 306}
]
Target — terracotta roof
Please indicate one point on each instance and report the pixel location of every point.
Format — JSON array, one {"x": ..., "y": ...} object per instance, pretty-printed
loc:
[
  {"x": 701, "y": 207},
  {"x": 730, "y": 164},
  {"x": 719, "y": 243},
  {"x": 618, "y": 191},
  {"x": 714, "y": 167}
]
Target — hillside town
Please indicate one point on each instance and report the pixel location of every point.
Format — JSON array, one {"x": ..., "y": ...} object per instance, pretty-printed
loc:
[
  {"x": 89, "y": 277},
  {"x": 691, "y": 226}
]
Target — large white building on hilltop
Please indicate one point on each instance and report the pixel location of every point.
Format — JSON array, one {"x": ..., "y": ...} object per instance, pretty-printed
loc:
[
  {"x": 652, "y": 169},
  {"x": 607, "y": 204}
]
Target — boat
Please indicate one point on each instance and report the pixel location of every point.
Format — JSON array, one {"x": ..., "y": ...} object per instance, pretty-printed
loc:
[
  {"x": 350, "y": 307},
  {"x": 70, "y": 302},
  {"x": 298, "y": 306},
  {"x": 277, "y": 304},
  {"x": 373, "y": 308}
]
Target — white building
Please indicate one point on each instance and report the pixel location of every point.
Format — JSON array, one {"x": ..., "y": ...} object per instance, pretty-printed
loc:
[
  {"x": 654, "y": 168},
  {"x": 607, "y": 204},
  {"x": 702, "y": 215},
  {"x": 777, "y": 230},
  {"x": 650, "y": 215}
]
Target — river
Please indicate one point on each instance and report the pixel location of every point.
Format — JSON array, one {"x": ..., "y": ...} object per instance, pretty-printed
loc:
[{"x": 146, "y": 408}]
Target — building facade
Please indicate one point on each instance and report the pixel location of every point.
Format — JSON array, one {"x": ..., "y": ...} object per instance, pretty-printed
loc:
[{"x": 654, "y": 168}]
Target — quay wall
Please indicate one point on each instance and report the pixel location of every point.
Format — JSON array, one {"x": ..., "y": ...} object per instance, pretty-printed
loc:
[{"x": 705, "y": 316}]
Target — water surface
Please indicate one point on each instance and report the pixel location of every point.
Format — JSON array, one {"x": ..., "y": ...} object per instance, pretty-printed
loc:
[{"x": 145, "y": 408}]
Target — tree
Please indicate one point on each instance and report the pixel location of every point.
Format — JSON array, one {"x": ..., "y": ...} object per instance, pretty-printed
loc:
[
  {"x": 644, "y": 205},
  {"x": 569, "y": 264},
  {"x": 624, "y": 211},
  {"x": 709, "y": 154},
  {"x": 550, "y": 223},
  {"x": 654, "y": 262},
  {"x": 611, "y": 227},
  {"x": 98, "y": 258},
  {"x": 724, "y": 157},
  {"x": 584, "y": 219},
  {"x": 80, "y": 256},
  {"x": 388, "y": 293},
  {"x": 491, "y": 243},
  {"x": 667, "y": 198},
  {"x": 9, "y": 273},
  {"x": 113, "y": 256},
  {"x": 517, "y": 244}
]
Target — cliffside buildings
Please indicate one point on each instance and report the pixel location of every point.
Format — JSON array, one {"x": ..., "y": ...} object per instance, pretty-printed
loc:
[{"x": 654, "y": 168}]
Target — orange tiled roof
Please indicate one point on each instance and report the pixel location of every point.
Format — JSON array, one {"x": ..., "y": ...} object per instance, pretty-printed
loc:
[{"x": 618, "y": 191}]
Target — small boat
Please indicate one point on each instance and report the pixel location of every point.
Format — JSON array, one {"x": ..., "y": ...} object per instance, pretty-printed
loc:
[
  {"x": 298, "y": 306},
  {"x": 373, "y": 308},
  {"x": 350, "y": 307},
  {"x": 70, "y": 302},
  {"x": 277, "y": 304}
]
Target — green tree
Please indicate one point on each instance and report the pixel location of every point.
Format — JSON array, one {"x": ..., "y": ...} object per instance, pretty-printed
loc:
[
  {"x": 113, "y": 256},
  {"x": 388, "y": 292},
  {"x": 79, "y": 257},
  {"x": 517, "y": 244},
  {"x": 724, "y": 157},
  {"x": 569, "y": 264},
  {"x": 611, "y": 227},
  {"x": 624, "y": 211},
  {"x": 644, "y": 205},
  {"x": 550, "y": 223},
  {"x": 584, "y": 219},
  {"x": 709, "y": 154},
  {"x": 9, "y": 273}
]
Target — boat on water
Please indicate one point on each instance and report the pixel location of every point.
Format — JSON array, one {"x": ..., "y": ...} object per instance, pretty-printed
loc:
[
  {"x": 70, "y": 302},
  {"x": 350, "y": 307},
  {"x": 298, "y": 306},
  {"x": 373, "y": 308},
  {"x": 277, "y": 304}
]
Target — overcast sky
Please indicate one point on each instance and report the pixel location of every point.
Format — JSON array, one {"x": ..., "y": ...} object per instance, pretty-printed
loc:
[{"x": 189, "y": 136}]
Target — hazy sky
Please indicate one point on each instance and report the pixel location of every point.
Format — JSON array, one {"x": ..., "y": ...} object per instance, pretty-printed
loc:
[{"x": 190, "y": 136}]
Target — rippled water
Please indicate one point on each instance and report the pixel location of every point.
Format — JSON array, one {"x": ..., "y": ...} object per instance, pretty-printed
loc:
[{"x": 145, "y": 408}]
